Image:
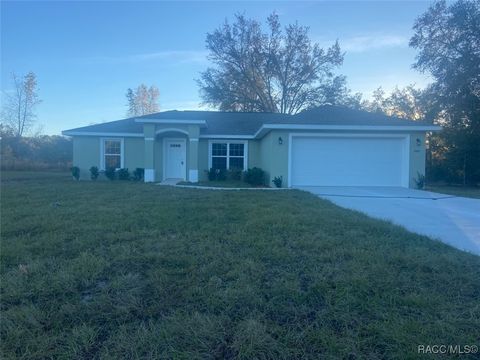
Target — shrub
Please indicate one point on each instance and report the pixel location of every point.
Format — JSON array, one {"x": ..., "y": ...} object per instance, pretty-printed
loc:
[
  {"x": 277, "y": 181},
  {"x": 94, "y": 173},
  {"x": 123, "y": 174},
  {"x": 217, "y": 174},
  {"x": 221, "y": 174},
  {"x": 234, "y": 174},
  {"x": 75, "y": 172},
  {"x": 420, "y": 181},
  {"x": 255, "y": 176},
  {"x": 139, "y": 174},
  {"x": 211, "y": 174},
  {"x": 110, "y": 173}
]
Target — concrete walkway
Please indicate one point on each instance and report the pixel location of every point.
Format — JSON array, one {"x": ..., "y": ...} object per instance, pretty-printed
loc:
[
  {"x": 453, "y": 220},
  {"x": 170, "y": 182}
]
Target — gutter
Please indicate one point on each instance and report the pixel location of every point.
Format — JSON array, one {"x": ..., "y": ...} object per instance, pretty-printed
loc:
[{"x": 266, "y": 128}]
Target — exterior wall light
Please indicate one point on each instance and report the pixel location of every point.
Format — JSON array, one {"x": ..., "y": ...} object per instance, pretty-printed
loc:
[
  {"x": 280, "y": 140},
  {"x": 419, "y": 142}
]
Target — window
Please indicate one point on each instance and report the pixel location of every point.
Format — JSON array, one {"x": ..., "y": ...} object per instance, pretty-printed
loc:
[
  {"x": 219, "y": 156},
  {"x": 112, "y": 153},
  {"x": 236, "y": 152},
  {"x": 227, "y": 155}
]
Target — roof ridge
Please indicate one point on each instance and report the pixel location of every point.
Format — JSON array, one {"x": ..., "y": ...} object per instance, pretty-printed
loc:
[{"x": 217, "y": 112}]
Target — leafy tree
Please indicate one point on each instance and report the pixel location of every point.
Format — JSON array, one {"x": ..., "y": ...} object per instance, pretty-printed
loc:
[
  {"x": 335, "y": 92},
  {"x": 19, "y": 108},
  {"x": 279, "y": 70},
  {"x": 408, "y": 102},
  {"x": 378, "y": 103},
  {"x": 447, "y": 38},
  {"x": 142, "y": 100},
  {"x": 131, "y": 103}
]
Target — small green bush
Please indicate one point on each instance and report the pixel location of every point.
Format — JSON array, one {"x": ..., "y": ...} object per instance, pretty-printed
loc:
[
  {"x": 211, "y": 174},
  {"x": 123, "y": 174},
  {"x": 110, "y": 173},
  {"x": 94, "y": 173},
  {"x": 139, "y": 174},
  {"x": 217, "y": 174},
  {"x": 255, "y": 176},
  {"x": 277, "y": 181},
  {"x": 221, "y": 174},
  {"x": 420, "y": 181},
  {"x": 75, "y": 172},
  {"x": 234, "y": 174}
]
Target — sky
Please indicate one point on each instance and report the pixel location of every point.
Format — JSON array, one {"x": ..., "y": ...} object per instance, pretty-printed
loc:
[{"x": 87, "y": 54}]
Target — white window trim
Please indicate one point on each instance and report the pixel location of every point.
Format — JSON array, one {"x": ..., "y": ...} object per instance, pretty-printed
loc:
[
  {"x": 228, "y": 142},
  {"x": 102, "y": 151}
]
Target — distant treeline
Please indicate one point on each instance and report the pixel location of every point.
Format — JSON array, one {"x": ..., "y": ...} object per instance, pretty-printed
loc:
[{"x": 35, "y": 153}]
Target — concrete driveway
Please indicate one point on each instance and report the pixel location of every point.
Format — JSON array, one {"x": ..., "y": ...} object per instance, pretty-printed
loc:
[{"x": 453, "y": 220}]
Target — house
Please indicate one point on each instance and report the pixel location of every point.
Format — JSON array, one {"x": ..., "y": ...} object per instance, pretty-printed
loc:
[{"x": 325, "y": 146}]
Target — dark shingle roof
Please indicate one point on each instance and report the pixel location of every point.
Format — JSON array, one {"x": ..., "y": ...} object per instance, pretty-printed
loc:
[
  {"x": 223, "y": 122},
  {"x": 340, "y": 115},
  {"x": 245, "y": 123},
  {"x": 118, "y": 126}
]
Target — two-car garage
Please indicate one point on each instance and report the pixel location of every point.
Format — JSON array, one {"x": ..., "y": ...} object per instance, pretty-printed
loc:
[{"x": 349, "y": 160}]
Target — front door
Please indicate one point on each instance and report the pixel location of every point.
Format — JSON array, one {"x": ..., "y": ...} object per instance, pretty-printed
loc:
[{"x": 175, "y": 159}]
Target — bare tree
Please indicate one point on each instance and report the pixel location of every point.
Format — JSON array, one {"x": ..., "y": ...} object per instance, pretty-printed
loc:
[
  {"x": 268, "y": 69},
  {"x": 153, "y": 95},
  {"x": 142, "y": 100},
  {"x": 19, "y": 108}
]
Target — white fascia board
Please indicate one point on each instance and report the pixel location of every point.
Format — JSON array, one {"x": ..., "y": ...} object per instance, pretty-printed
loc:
[
  {"x": 245, "y": 137},
  {"x": 105, "y": 134},
  {"x": 171, "y": 121},
  {"x": 265, "y": 128}
]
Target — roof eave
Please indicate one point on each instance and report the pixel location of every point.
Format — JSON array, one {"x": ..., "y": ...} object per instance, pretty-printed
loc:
[{"x": 395, "y": 128}]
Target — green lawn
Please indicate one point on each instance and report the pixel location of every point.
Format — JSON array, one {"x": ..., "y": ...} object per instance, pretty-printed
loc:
[
  {"x": 128, "y": 270},
  {"x": 472, "y": 192}
]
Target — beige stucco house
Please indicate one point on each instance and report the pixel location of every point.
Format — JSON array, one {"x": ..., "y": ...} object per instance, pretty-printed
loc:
[{"x": 325, "y": 146}]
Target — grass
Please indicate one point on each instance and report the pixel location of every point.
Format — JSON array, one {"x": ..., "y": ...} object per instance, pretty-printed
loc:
[
  {"x": 471, "y": 192},
  {"x": 128, "y": 270}
]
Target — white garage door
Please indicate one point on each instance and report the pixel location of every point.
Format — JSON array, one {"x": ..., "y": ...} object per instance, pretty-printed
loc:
[{"x": 349, "y": 161}]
